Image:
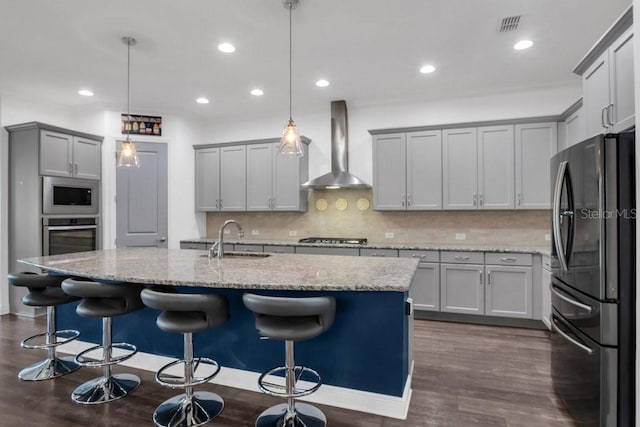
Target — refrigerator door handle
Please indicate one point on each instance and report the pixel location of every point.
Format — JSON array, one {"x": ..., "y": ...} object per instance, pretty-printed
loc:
[
  {"x": 556, "y": 217},
  {"x": 568, "y": 338},
  {"x": 563, "y": 297}
]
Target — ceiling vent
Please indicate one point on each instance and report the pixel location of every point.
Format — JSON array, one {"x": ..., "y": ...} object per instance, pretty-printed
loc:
[{"x": 510, "y": 23}]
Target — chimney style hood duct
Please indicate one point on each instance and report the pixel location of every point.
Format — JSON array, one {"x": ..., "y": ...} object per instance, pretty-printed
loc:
[{"x": 339, "y": 177}]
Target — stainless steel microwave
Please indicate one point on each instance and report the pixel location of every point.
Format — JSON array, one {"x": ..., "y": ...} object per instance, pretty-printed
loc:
[{"x": 70, "y": 196}]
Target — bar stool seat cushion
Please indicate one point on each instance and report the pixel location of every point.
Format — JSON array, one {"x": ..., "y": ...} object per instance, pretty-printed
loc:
[
  {"x": 184, "y": 313},
  {"x": 44, "y": 289},
  {"x": 104, "y": 299},
  {"x": 293, "y": 319}
]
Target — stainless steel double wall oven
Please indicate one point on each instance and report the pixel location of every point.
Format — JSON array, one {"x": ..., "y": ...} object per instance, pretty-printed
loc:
[{"x": 70, "y": 215}]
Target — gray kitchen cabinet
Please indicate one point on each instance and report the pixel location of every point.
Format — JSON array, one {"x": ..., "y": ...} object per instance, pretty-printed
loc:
[
  {"x": 382, "y": 253},
  {"x": 608, "y": 89},
  {"x": 194, "y": 245},
  {"x": 535, "y": 144},
  {"x": 220, "y": 178},
  {"x": 546, "y": 291},
  {"x": 278, "y": 249},
  {"x": 273, "y": 181},
  {"x": 207, "y": 179},
  {"x": 233, "y": 178},
  {"x": 460, "y": 168},
  {"x": 325, "y": 250},
  {"x": 509, "y": 291},
  {"x": 389, "y": 172},
  {"x": 244, "y": 247},
  {"x": 462, "y": 288},
  {"x": 496, "y": 170},
  {"x": 425, "y": 286},
  {"x": 408, "y": 171},
  {"x": 574, "y": 129},
  {"x": 70, "y": 156}
]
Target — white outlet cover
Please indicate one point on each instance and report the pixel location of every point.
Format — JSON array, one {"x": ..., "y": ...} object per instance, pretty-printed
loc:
[
  {"x": 461, "y": 236},
  {"x": 547, "y": 237},
  {"x": 389, "y": 235},
  {"x": 255, "y": 232},
  {"x": 293, "y": 233}
]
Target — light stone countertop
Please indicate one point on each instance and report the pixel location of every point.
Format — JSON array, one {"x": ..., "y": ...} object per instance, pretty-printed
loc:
[
  {"x": 278, "y": 271},
  {"x": 382, "y": 245}
]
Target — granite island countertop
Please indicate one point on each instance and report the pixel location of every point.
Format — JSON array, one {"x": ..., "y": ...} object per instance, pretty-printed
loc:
[
  {"x": 546, "y": 250},
  {"x": 178, "y": 267}
]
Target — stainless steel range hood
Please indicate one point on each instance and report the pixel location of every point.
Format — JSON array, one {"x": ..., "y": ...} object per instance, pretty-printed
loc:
[{"x": 339, "y": 177}]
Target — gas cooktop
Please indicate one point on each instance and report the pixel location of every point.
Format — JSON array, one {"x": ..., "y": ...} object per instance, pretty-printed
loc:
[{"x": 335, "y": 240}]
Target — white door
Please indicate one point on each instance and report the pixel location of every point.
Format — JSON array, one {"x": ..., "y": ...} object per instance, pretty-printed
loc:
[{"x": 141, "y": 199}]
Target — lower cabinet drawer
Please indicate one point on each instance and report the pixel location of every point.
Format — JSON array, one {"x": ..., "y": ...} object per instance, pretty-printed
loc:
[
  {"x": 194, "y": 245},
  {"x": 393, "y": 253},
  {"x": 462, "y": 257},
  {"x": 279, "y": 249},
  {"x": 327, "y": 250},
  {"x": 247, "y": 248},
  {"x": 492, "y": 258},
  {"x": 423, "y": 256}
]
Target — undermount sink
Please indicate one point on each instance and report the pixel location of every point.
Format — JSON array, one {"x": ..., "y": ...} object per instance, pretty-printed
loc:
[{"x": 233, "y": 254}]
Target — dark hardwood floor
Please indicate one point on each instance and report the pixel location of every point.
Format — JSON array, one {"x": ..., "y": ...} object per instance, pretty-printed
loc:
[{"x": 465, "y": 375}]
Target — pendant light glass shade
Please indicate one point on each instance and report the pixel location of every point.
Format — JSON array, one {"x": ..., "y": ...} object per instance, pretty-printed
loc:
[
  {"x": 290, "y": 144},
  {"x": 127, "y": 156}
]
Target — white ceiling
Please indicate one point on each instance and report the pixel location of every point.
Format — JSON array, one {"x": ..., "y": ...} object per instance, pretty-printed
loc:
[{"x": 370, "y": 51}]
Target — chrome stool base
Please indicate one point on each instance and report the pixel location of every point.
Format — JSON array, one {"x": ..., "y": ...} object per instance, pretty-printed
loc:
[
  {"x": 305, "y": 416},
  {"x": 48, "y": 369},
  {"x": 180, "y": 411},
  {"x": 105, "y": 389}
]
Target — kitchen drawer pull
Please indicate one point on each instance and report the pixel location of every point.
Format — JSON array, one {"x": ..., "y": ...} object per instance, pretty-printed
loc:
[
  {"x": 480, "y": 271},
  {"x": 70, "y": 168},
  {"x": 461, "y": 258},
  {"x": 488, "y": 277},
  {"x": 418, "y": 256},
  {"x": 278, "y": 251},
  {"x": 508, "y": 259},
  {"x": 568, "y": 338},
  {"x": 378, "y": 255},
  {"x": 557, "y": 293}
]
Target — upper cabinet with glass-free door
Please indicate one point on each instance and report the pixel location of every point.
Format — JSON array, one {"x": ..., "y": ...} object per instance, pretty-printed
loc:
[
  {"x": 407, "y": 171},
  {"x": 63, "y": 154},
  {"x": 608, "y": 80}
]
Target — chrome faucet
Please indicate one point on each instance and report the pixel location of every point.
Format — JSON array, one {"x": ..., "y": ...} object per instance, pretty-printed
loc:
[{"x": 218, "y": 247}]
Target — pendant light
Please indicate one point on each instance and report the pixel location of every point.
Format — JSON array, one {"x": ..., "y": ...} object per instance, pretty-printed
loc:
[
  {"x": 128, "y": 156},
  {"x": 290, "y": 144}
]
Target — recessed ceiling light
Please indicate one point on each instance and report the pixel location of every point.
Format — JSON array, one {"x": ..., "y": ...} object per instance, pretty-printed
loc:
[
  {"x": 257, "y": 92},
  {"x": 322, "y": 83},
  {"x": 523, "y": 44},
  {"x": 226, "y": 47},
  {"x": 85, "y": 92},
  {"x": 427, "y": 69},
  {"x": 202, "y": 101}
]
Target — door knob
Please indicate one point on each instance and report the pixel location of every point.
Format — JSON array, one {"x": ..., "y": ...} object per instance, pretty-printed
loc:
[{"x": 162, "y": 239}]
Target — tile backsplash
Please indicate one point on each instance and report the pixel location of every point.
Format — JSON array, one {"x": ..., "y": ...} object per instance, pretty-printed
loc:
[{"x": 347, "y": 213}]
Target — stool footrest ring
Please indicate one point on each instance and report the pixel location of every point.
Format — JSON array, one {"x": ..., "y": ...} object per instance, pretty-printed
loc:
[
  {"x": 173, "y": 381},
  {"x": 83, "y": 361},
  {"x": 72, "y": 332},
  {"x": 279, "y": 390}
]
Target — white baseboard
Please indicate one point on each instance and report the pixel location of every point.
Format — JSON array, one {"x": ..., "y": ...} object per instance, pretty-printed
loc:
[
  {"x": 346, "y": 398},
  {"x": 547, "y": 323}
]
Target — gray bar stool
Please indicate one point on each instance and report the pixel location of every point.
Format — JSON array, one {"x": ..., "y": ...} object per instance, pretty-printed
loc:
[
  {"x": 45, "y": 291},
  {"x": 290, "y": 320},
  {"x": 186, "y": 314},
  {"x": 105, "y": 300}
]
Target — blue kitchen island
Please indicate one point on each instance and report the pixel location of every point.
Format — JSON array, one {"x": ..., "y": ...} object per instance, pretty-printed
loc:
[{"x": 365, "y": 355}]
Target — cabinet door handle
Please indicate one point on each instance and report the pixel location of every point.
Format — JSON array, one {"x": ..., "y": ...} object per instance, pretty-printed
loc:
[
  {"x": 475, "y": 199},
  {"x": 221, "y": 204},
  {"x": 217, "y": 203},
  {"x": 602, "y": 116},
  {"x": 461, "y": 258},
  {"x": 508, "y": 259},
  {"x": 481, "y": 200},
  {"x": 273, "y": 203},
  {"x": 610, "y": 114},
  {"x": 70, "y": 168},
  {"x": 488, "y": 278},
  {"x": 480, "y": 271},
  {"x": 404, "y": 200},
  {"x": 519, "y": 199},
  {"x": 75, "y": 169}
]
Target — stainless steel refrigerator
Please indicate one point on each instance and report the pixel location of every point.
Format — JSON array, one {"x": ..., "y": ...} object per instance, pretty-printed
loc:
[{"x": 593, "y": 279}]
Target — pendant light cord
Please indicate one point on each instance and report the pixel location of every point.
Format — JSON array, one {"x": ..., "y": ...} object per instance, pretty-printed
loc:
[
  {"x": 290, "y": 59},
  {"x": 128, "y": 83}
]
